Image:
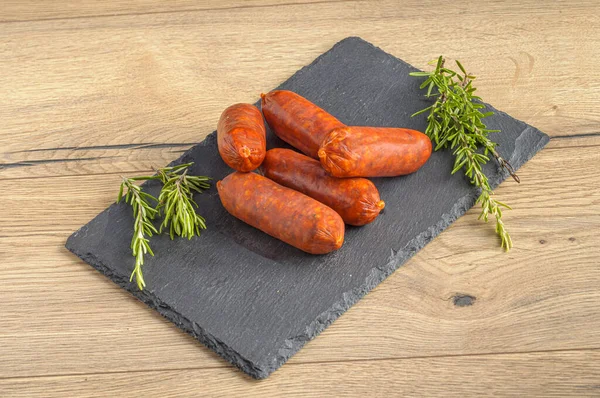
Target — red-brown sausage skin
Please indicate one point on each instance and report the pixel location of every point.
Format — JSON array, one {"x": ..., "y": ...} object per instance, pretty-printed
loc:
[
  {"x": 355, "y": 199},
  {"x": 298, "y": 121},
  {"x": 374, "y": 152},
  {"x": 241, "y": 137},
  {"x": 281, "y": 212}
]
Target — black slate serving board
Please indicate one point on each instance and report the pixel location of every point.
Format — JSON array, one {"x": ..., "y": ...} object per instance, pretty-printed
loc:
[{"x": 255, "y": 300}]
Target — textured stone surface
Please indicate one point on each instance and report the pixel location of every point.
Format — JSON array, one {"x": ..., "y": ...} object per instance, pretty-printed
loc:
[{"x": 255, "y": 300}]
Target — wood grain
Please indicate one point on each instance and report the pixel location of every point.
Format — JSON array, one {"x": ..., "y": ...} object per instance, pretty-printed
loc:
[
  {"x": 90, "y": 91},
  {"x": 553, "y": 374},
  {"x": 33, "y": 10}
]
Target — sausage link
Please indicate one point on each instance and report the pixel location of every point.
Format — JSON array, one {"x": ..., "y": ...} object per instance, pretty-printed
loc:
[
  {"x": 282, "y": 212},
  {"x": 374, "y": 151},
  {"x": 355, "y": 199},
  {"x": 241, "y": 137},
  {"x": 297, "y": 121}
]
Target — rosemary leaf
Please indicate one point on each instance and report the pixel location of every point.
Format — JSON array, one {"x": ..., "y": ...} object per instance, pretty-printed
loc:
[
  {"x": 176, "y": 201},
  {"x": 455, "y": 121}
]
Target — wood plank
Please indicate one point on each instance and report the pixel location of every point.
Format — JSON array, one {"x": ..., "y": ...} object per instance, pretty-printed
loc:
[
  {"x": 164, "y": 78},
  {"x": 542, "y": 295},
  {"x": 32, "y": 10},
  {"x": 553, "y": 374}
]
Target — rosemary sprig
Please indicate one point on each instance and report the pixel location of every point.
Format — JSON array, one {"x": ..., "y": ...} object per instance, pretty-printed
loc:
[
  {"x": 143, "y": 214},
  {"x": 175, "y": 202},
  {"x": 455, "y": 121}
]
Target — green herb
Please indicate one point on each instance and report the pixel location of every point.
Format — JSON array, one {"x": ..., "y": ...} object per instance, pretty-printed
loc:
[
  {"x": 175, "y": 202},
  {"x": 455, "y": 121},
  {"x": 143, "y": 214}
]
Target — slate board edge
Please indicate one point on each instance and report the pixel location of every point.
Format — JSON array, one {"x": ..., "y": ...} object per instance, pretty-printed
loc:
[
  {"x": 180, "y": 321},
  {"x": 379, "y": 273}
]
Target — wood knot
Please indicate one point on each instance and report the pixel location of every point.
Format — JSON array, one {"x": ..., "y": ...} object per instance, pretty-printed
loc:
[{"x": 463, "y": 300}]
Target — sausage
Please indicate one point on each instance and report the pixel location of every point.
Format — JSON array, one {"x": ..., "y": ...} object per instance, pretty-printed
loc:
[
  {"x": 374, "y": 151},
  {"x": 241, "y": 137},
  {"x": 356, "y": 200},
  {"x": 297, "y": 121},
  {"x": 281, "y": 212}
]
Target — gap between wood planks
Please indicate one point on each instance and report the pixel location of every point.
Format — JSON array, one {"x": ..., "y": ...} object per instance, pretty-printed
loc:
[
  {"x": 145, "y": 145},
  {"x": 227, "y": 365},
  {"x": 30, "y": 163},
  {"x": 124, "y": 173},
  {"x": 239, "y": 7},
  {"x": 583, "y": 135},
  {"x": 148, "y": 145}
]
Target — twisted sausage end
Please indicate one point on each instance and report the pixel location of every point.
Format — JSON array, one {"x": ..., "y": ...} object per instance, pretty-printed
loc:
[{"x": 244, "y": 152}]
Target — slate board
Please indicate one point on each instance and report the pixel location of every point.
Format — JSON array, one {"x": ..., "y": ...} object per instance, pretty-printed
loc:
[{"x": 255, "y": 300}]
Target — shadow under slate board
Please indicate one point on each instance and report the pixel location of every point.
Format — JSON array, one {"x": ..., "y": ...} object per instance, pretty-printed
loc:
[{"x": 255, "y": 300}]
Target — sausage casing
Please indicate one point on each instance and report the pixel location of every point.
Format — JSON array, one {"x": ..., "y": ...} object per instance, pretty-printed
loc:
[
  {"x": 356, "y": 200},
  {"x": 298, "y": 121},
  {"x": 241, "y": 137},
  {"x": 374, "y": 151},
  {"x": 281, "y": 212}
]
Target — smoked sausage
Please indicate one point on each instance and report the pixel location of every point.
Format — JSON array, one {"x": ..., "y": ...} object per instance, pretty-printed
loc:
[
  {"x": 241, "y": 137},
  {"x": 297, "y": 121},
  {"x": 374, "y": 151},
  {"x": 281, "y": 212},
  {"x": 355, "y": 199}
]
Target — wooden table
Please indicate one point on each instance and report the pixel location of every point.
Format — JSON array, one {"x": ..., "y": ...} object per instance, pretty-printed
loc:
[{"x": 90, "y": 92}]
